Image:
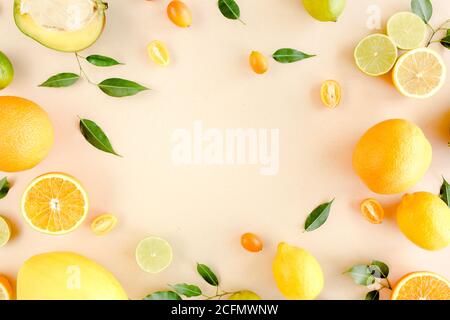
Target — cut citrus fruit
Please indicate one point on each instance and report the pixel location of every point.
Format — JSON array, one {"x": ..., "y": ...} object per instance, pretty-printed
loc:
[
  {"x": 6, "y": 291},
  {"x": 158, "y": 52},
  {"x": 372, "y": 210},
  {"x": 5, "y": 231},
  {"x": 421, "y": 286},
  {"x": 407, "y": 30},
  {"x": 419, "y": 73},
  {"x": 330, "y": 93},
  {"x": 55, "y": 203},
  {"x": 375, "y": 54},
  {"x": 153, "y": 254},
  {"x": 103, "y": 224}
]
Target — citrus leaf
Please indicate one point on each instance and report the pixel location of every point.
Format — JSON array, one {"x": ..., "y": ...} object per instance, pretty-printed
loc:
[
  {"x": 382, "y": 269},
  {"x": 102, "y": 61},
  {"x": 95, "y": 136},
  {"x": 205, "y": 272},
  {"x": 288, "y": 55},
  {"x": 446, "y": 40},
  {"x": 423, "y": 8},
  {"x": 360, "y": 274},
  {"x": 230, "y": 9},
  {"x": 187, "y": 290},
  {"x": 4, "y": 187},
  {"x": 318, "y": 216},
  {"x": 445, "y": 192},
  {"x": 373, "y": 295},
  {"x": 61, "y": 80},
  {"x": 116, "y": 87},
  {"x": 163, "y": 295}
]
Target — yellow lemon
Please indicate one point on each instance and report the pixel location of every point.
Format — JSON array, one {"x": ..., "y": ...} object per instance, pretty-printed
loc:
[
  {"x": 425, "y": 220},
  {"x": 244, "y": 295},
  {"x": 66, "y": 276},
  {"x": 392, "y": 156},
  {"x": 297, "y": 273}
]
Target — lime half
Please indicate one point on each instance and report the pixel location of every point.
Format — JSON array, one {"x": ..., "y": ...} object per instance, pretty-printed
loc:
[
  {"x": 5, "y": 232},
  {"x": 153, "y": 254},
  {"x": 407, "y": 30},
  {"x": 375, "y": 54}
]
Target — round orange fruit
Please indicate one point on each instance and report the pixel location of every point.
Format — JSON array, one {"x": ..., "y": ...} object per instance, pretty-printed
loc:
[
  {"x": 421, "y": 286},
  {"x": 6, "y": 291},
  {"x": 26, "y": 134}
]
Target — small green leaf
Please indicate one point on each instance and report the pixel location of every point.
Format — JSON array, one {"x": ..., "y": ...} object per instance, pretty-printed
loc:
[
  {"x": 102, "y": 61},
  {"x": 116, "y": 87},
  {"x": 382, "y": 269},
  {"x": 187, "y": 290},
  {"x": 205, "y": 272},
  {"x": 423, "y": 8},
  {"x": 95, "y": 136},
  {"x": 446, "y": 40},
  {"x": 318, "y": 216},
  {"x": 4, "y": 187},
  {"x": 61, "y": 80},
  {"x": 288, "y": 55},
  {"x": 163, "y": 295},
  {"x": 230, "y": 9},
  {"x": 373, "y": 295},
  {"x": 360, "y": 274},
  {"x": 445, "y": 192}
]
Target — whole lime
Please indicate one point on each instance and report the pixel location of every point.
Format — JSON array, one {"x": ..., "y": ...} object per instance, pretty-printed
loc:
[
  {"x": 324, "y": 10},
  {"x": 244, "y": 295},
  {"x": 6, "y": 71}
]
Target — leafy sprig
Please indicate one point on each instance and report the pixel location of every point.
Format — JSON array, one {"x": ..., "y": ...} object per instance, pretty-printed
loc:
[{"x": 4, "y": 187}]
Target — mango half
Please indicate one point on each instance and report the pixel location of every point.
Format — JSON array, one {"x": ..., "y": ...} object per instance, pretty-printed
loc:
[
  {"x": 66, "y": 276},
  {"x": 63, "y": 25}
]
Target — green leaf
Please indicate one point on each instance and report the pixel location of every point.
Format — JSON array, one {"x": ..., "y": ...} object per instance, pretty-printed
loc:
[
  {"x": 423, "y": 8},
  {"x": 445, "y": 192},
  {"x": 61, "y": 80},
  {"x": 361, "y": 274},
  {"x": 4, "y": 187},
  {"x": 116, "y": 87},
  {"x": 187, "y": 290},
  {"x": 230, "y": 9},
  {"x": 288, "y": 55},
  {"x": 446, "y": 40},
  {"x": 381, "y": 268},
  {"x": 95, "y": 136},
  {"x": 318, "y": 216},
  {"x": 205, "y": 272},
  {"x": 102, "y": 61},
  {"x": 163, "y": 295},
  {"x": 373, "y": 295}
]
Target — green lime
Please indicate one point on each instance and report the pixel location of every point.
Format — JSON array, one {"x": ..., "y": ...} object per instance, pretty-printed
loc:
[
  {"x": 375, "y": 54},
  {"x": 407, "y": 30},
  {"x": 324, "y": 10},
  {"x": 153, "y": 254},
  {"x": 6, "y": 71},
  {"x": 5, "y": 232},
  {"x": 244, "y": 295}
]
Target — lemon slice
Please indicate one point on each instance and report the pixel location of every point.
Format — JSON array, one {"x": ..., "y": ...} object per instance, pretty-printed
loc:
[
  {"x": 103, "y": 224},
  {"x": 407, "y": 30},
  {"x": 5, "y": 232},
  {"x": 419, "y": 73},
  {"x": 375, "y": 54},
  {"x": 153, "y": 254},
  {"x": 6, "y": 291}
]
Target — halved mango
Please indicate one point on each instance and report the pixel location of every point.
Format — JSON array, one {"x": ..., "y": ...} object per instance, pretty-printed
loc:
[{"x": 63, "y": 25}]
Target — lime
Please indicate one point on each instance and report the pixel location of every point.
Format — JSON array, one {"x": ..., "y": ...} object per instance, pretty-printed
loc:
[
  {"x": 324, "y": 10},
  {"x": 244, "y": 295},
  {"x": 6, "y": 71},
  {"x": 153, "y": 254},
  {"x": 375, "y": 54},
  {"x": 407, "y": 30},
  {"x": 5, "y": 232}
]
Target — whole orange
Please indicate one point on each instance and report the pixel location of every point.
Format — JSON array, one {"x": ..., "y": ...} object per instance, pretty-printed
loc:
[{"x": 26, "y": 134}]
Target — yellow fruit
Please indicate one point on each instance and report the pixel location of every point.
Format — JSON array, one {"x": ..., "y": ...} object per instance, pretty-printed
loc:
[
  {"x": 297, "y": 273},
  {"x": 425, "y": 220},
  {"x": 419, "y": 73},
  {"x": 26, "y": 134},
  {"x": 6, "y": 291},
  {"x": 6, "y": 71},
  {"x": 66, "y": 276},
  {"x": 324, "y": 10},
  {"x": 54, "y": 203},
  {"x": 330, "y": 93},
  {"x": 158, "y": 52},
  {"x": 375, "y": 54},
  {"x": 372, "y": 210},
  {"x": 103, "y": 224},
  {"x": 244, "y": 295},
  {"x": 407, "y": 30},
  {"x": 179, "y": 13},
  {"x": 421, "y": 286},
  {"x": 5, "y": 231},
  {"x": 392, "y": 156},
  {"x": 258, "y": 62}
]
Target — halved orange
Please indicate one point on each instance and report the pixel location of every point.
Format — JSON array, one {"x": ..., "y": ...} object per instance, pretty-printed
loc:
[
  {"x": 372, "y": 210},
  {"x": 6, "y": 291},
  {"x": 421, "y": 286},
  {"x": 55, "y": 203}
]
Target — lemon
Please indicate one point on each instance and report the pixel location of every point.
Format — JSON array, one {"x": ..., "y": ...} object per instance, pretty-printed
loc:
[
  {"x": 297, "y": 273},
  {"x": 392, "y": 156},
  {"x": 324, "y": 10},
  {"x": 153, "y": 254},
  {"x": 5, "y": 232},
  {"x": 375, "y": 54},
  {"x": 425, "y": 220},
  {"x": 407, "y": 30},
  {"x": 419, "y": 73},
  {"x": 6, "y": 71},
  {"x": 244, "y": 295}
]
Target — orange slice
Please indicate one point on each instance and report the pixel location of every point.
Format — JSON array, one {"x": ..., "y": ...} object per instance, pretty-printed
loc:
[
  {"x": 372, "y": 210},
  {"x": 421, "y": 286},
  {"x": 103, "y": 224},
  {"x": 55, "y": 203},
  {"x": 6, "y": 291}
]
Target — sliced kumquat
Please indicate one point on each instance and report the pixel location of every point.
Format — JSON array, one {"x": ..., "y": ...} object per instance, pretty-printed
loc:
[{"x": 372, "y": 210}]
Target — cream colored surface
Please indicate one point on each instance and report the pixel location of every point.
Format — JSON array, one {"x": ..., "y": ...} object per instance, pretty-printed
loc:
[{"x": 201, "y": 210}]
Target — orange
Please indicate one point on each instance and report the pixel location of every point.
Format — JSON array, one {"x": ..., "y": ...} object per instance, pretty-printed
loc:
[
  {"x": 421, "y": 286},
  {"x": 372, "y": 210},
  {"x": 54, "y": 203},
  {"x": 103, "y": 224},
  {"x": 26, "y": 134},
  {"x": 179, "y": 13},
  {"x": 6, "y": 291},
  {"x": 258, "y": 62}
]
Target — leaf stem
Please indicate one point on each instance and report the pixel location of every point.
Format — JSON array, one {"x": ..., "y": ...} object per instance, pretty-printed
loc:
[
  {"x": 435, "y": 31},
  {"x": 82, "y": 72}
]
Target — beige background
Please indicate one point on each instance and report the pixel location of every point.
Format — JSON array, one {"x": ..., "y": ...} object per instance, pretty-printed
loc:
[{"x": 200, "y": 210}]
